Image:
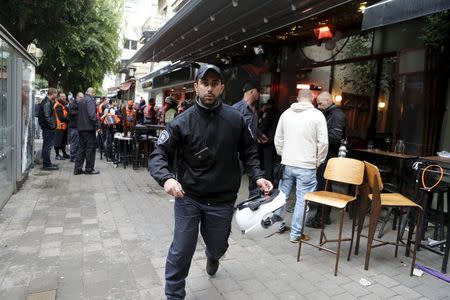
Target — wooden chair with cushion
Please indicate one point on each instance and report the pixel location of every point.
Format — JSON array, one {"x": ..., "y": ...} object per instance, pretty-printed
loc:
[
  {"x": 371, "y": 194},
  {"x": 343, "y": 170}
]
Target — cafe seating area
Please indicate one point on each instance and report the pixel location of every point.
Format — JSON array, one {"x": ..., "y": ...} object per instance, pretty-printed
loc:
[
  {"x": 421, "y": 220},
  {"x": 134, "y": 148}
]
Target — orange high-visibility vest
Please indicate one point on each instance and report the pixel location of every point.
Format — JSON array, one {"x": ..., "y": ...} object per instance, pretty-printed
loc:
[
  {"x": 130, "y": 117},
  {"x": 100, "y": 109},
  {"x": 60, "y": 125}
]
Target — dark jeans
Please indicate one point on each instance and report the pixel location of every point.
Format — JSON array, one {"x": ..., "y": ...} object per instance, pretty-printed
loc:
[
  {"x": 109, "y": 138},
  {"x": 74, "y": 142},
  {"x": 47, "y": 144},
  {"x": 268, "y": 156},
  {"x": 215, "y": 227},
  {"x": 86, "y": 151},
  {"x": 320, "y": 187}
]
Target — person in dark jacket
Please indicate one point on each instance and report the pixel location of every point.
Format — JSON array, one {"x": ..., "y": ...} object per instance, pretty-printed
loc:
[
  {"x": 86, "y": 125},
  {"x": 142, "y": 104},
  {"x": 248, "y": 108},
  {"x": 74, "y": 140},
  {"x": 266, "y": 127},
  {"x": 47, "y": 121},
  {"x": 208, "y": 140},
  {"x": 336, "y": 132},
  {"x": 62, "y": 118}
]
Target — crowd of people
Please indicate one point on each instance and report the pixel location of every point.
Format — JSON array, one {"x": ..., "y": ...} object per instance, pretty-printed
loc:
[
  {"x": 58, "y": 121},
  {"x": 201, "y": 154}
]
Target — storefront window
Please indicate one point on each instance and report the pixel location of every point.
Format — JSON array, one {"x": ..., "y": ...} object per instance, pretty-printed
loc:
[
  {"x": 353, "y": 89},
  {"x": 6, "y": 154},
  {"x": 337, "y": 49},
  {"x": 386, "y": 98},
  {"x": 27, "y": 114}
]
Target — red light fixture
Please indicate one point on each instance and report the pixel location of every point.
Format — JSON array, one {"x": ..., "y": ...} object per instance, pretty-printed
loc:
[{"x": 323, "y": 32}]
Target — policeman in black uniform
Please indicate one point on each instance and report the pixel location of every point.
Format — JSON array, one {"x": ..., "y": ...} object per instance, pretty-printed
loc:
[{"x": 209, "y": 138}]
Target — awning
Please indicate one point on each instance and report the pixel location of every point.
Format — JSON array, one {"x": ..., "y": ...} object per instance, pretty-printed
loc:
[
  {"x": 202, "y": 28},
  {"x": 125, "y": 86},
  {"x": 395, "y": 11}
]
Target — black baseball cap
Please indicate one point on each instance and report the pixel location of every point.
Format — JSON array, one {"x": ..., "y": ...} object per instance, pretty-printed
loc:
[
  {"x": 250, "y": 85},
  {"x": 204, "y": 68}
]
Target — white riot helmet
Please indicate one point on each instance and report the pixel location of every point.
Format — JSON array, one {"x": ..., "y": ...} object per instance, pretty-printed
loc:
[{"x": 256, "y": 216}]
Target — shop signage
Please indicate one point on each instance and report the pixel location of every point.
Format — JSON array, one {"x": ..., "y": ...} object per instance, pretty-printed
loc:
[{"x": 178, "y": 77}]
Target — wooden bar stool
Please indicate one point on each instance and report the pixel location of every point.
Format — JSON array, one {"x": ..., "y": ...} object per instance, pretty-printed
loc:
[
  {"x": 343, "y": 170},
  {"x": 371, "y": 193}
]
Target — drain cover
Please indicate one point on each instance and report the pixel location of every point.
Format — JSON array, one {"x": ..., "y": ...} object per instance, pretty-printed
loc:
[{"x": 48, "y": 295}]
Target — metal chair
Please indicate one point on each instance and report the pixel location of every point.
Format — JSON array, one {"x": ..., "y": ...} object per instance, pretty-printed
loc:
[
  {"x": 371, "y": 193},
  {"x": 343, "y": 170}
]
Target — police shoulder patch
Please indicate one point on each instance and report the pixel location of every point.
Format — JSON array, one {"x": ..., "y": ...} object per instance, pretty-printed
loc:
[{"x": 163, "y": 137}]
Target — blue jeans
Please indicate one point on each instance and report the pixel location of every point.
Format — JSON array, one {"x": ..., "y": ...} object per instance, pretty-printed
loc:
[
  {"x": 215, "y": 227},
  {"x": 47, "y": 144},
  {"x": 37, "y": 128},
  {"x": 74, "y": 142},
  {"x": 305, "y": 181}
]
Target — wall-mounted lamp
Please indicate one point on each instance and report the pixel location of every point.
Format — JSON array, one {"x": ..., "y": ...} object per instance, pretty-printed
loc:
[
  {"x": 323, "y": 32},
  {"x": 338, "y": 99},
  {"x": 381, "y": 105}
]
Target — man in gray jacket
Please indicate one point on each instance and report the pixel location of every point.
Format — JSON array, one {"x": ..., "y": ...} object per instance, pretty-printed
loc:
[{"x": 87, "y": 124}]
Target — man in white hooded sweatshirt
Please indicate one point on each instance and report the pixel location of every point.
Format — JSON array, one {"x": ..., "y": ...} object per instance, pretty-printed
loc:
[{"x": 301, "y": 139}]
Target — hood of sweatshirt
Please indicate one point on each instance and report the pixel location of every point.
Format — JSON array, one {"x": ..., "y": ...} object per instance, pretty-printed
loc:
[{"x": 299, "y": 107}]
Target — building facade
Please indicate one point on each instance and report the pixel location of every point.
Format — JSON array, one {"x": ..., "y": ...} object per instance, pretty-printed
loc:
[{"x": 390, "y": 82}]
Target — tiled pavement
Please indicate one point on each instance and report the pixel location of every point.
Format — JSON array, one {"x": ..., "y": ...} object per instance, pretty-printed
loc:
[{"x": 106, "y": 237}]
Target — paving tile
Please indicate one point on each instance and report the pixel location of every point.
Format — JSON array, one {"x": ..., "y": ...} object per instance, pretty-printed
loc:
[
  {"x": 408, "y": 293},
  {"x": 52, "y": 230},
  {"x": 15, "y": 293},
  {"x": 236, "y": 295},
  {"x": 381, "y": 291}
]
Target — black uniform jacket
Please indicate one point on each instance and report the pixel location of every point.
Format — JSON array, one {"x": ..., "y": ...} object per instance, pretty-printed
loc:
[{"x": 208, "y": 144}]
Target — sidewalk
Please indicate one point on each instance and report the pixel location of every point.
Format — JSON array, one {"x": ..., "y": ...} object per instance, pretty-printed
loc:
[{"x": 106, "y": 237}]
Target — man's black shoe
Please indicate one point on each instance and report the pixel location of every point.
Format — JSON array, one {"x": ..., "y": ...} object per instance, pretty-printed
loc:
[
  {"x": 212, "y": 266},
  {"x": 78, "y": 172},
  {"x": 58, "y": 157},
  {"x": 312, "y": 223},
  {"x": 283, "y": 229},
  {"x": 92, "y": 172},
  {"x": 51, "y": 167},
  {"x": 72, "y": 160}
]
